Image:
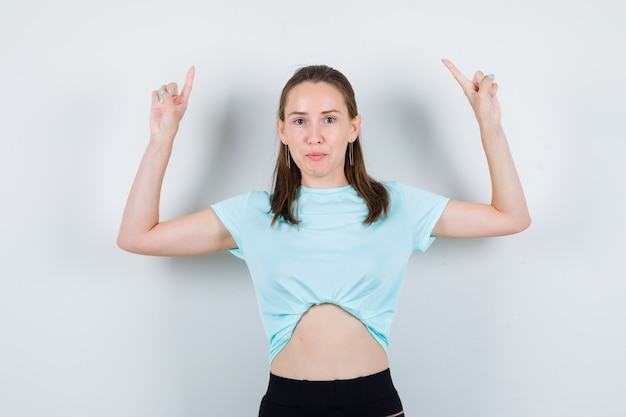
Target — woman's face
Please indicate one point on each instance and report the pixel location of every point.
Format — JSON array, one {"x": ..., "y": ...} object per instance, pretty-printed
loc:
[{"x": 317, "y": 128}]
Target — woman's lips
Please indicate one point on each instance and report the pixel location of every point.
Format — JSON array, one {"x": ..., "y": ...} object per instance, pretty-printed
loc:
[{"x": 316, "y": 156}]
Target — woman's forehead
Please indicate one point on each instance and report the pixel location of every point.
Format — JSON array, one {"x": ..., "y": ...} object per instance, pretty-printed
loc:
[{"x": 315, "y": 96}]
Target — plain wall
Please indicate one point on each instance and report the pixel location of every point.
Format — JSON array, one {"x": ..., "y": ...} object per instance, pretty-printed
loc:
[{"x": 527, "y": 325}]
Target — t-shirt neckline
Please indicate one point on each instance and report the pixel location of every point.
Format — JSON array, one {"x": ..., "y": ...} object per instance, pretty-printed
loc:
[{"x": 309, "y": 190}]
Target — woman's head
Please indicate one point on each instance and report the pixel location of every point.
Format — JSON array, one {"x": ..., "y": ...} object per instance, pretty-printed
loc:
[
  {"x": 314, "y": 89},
  {"x": 317, "y": 129},
  {"x": 321, "y": 84}
]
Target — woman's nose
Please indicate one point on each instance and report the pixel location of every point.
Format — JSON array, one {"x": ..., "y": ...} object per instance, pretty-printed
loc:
[{"x": 315, "y": 136}]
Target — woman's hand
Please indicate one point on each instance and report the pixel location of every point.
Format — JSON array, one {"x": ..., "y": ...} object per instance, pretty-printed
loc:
[
  {"x": 168, "y": 107},
  {"x": 481, "y": 93}
]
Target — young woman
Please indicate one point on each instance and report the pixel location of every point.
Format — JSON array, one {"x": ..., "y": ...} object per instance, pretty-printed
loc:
[{"x": 327, "y": 249}]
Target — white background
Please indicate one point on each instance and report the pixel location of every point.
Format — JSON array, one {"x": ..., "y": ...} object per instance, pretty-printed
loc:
[{"x": 528, "y": 325}]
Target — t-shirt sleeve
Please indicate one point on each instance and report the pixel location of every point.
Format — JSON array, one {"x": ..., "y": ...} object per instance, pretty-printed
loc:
[
  {"x": 231, "y": 213},
  {"x": 423, "y": 209}
]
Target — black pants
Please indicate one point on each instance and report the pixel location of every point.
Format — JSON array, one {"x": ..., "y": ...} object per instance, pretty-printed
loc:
[{"x": 369, "y": 396}]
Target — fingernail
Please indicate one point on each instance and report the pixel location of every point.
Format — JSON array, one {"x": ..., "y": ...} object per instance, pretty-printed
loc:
[
  {"x": 169, "y": 92},
  {"x": 491, "y": 76},
  {"x": 161, "y": 91},
  {"x": 156, "y": 98}
]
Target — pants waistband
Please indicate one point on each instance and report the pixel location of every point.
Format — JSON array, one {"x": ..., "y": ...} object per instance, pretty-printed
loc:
[{"x": 293, "y": 392}]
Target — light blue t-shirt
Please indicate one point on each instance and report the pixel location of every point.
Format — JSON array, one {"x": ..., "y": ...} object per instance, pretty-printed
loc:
[{"x": 330, "y": 256}]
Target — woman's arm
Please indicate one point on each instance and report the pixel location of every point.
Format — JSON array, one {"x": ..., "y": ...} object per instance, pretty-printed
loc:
[
  {"x": 507, "y": 213},
  {"x": 140, "y": 230}
]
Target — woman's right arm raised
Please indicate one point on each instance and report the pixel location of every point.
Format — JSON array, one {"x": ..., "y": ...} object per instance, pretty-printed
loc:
[{"x": 141, "y": 230}]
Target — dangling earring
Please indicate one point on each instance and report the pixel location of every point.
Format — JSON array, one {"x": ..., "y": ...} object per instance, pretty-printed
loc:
[
  {"x": 351, "y": 153},
  {"x": 288, "y": 156}
]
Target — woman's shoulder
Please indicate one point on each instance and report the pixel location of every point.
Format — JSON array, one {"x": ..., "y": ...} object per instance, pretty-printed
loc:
[
  {"x": 399, "y": 186},
  {"x": 394, "y": 188},
  {"x": 260, "y": 199},
  {"x": 246, "y": 199},
  {"x": 401, "y": 191}
]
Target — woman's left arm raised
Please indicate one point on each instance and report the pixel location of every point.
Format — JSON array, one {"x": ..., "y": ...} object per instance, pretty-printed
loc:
[{"x": 507, "y": 213}]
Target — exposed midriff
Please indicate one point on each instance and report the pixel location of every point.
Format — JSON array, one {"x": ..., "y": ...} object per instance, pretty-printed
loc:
[{"x": 329, "y": 343}]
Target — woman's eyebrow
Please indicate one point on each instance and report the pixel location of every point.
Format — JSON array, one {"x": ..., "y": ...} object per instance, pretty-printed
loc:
[{"x": 303, "y": 113}]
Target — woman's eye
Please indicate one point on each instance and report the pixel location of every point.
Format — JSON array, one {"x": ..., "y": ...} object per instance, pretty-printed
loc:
[
  {"x": 329, "y": 119},
  {"x": 298, "y": 121}
]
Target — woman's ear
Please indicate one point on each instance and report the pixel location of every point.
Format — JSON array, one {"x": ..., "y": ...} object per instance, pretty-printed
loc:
[
  {"x": 280, "y": 126},
  {"x": 356, "y": 127}
]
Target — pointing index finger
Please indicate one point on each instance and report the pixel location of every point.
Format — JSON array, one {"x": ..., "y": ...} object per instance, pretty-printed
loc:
[
  {"x": 458, "y": 76},
  {"x": 188, "y": 82}
]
